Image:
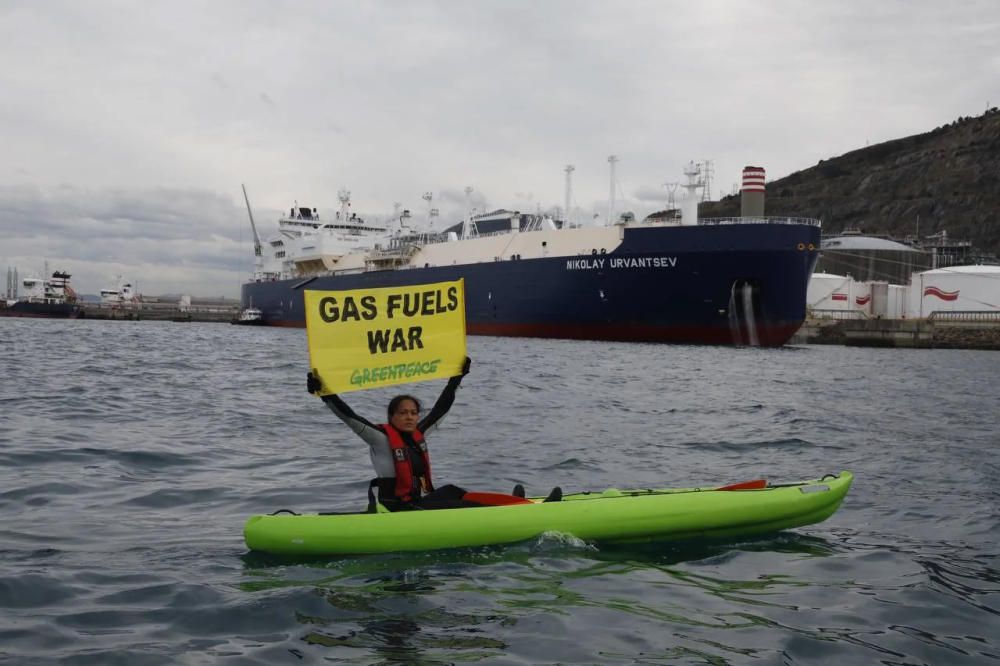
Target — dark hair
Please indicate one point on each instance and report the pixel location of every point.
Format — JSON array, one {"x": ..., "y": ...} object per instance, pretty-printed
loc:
[{"x": 394, "y": 403}]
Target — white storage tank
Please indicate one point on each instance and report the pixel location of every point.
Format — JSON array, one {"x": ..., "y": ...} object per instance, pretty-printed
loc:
[
  {"x": 957, "y": 289},
  {"x": 861, "y": 297},
  {"x": 827, "y": 291},
  {"x": 880, "y": 300},
  {"x": 896, "y": 305},
  {"x": 888, "y": 301}
]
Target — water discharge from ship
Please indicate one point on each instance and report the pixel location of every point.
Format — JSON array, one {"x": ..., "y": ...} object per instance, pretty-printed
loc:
[{"x": 744, "y": 301}]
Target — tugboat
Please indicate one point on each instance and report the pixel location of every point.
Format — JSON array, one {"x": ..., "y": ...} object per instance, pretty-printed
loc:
[
  {"x": 249, "y": 317},
  {"x": 50, "y": 298}
]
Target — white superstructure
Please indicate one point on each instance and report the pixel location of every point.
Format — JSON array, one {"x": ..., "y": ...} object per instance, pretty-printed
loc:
[
  {"x": 123, "y": 294},
  {"x": 306, "y": 245},
  {"x": 54, "y": 290}
]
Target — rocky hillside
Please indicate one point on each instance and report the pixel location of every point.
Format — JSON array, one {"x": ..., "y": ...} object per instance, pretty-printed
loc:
[{"x": 947, "y": 179}]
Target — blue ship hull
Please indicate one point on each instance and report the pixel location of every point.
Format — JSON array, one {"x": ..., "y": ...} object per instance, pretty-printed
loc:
[
  {"x": 661, "y": 284},
  {"x": 42, "y": 310}
]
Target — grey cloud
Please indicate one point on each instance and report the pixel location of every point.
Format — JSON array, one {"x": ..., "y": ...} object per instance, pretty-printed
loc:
[
  {"x": 648, "y": 193},
  {"x": 163, "y": 227},
  {"x": 153, "y": 114}
]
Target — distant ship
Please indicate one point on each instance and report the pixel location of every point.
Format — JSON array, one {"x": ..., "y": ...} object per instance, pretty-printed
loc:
[
  {"x": 716, "y": 281},
  {"x": 121, "y": 295},
  {"x": 36, "y": 297}
]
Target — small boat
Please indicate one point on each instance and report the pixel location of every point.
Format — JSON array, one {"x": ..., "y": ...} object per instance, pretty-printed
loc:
[
  {"x": 612, "y": 516},
  {"x": 249, "y": 317}
]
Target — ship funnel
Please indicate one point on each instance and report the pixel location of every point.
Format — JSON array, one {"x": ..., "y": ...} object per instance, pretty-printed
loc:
[{"x": 752, "y": 197}]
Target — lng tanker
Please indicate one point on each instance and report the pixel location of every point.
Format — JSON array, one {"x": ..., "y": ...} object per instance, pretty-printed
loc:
[{"x": 738, "y": 280}]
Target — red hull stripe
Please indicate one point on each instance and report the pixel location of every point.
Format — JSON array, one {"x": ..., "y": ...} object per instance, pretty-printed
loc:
[{"x": 770, "y": 335}]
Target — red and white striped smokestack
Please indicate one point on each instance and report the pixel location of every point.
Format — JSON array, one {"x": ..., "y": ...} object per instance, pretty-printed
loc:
[{"x": 752, "y": 199}]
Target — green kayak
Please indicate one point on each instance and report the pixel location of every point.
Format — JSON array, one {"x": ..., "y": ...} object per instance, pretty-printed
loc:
[{"x": 612, "y": 516}]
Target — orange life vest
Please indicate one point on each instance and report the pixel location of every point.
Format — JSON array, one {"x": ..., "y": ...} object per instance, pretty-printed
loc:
[{"x": 408, "y": 485}]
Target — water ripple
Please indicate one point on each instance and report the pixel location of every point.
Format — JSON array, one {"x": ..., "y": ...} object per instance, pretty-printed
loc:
[{"x": 132, "y": 452}]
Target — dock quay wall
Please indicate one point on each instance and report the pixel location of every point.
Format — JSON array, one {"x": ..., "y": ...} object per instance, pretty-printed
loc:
[
  {"x": 160, "y": 312},
  {"x": 953, "y": 331}
]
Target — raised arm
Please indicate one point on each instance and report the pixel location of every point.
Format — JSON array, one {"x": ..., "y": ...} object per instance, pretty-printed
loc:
[
  {"x": 445, "y": 400},
  {"x": 364, "y": 428}
]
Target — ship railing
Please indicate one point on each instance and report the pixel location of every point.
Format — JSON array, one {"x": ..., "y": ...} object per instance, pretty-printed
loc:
[
  {"x": 504, "y": 232},
  {"x": 808, "y": 221},
  {"x": 841, "y": 315},
  {"x": 393, "y": 253},
  {"x": 964, "y": 315}
]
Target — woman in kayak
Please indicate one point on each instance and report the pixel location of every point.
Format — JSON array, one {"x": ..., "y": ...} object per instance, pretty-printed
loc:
[{"x": 398, "y": 450}]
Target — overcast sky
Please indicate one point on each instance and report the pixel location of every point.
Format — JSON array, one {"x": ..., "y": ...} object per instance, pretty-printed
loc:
[{"x": 126, "y": 128}]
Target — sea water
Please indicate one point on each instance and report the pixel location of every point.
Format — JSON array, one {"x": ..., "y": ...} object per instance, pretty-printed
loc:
[{"x": 131, "y": 454}]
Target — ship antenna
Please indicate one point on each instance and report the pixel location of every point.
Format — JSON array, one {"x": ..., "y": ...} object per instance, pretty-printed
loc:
[
  {"x": 253, "y": 227},
  {"x": 467, "y": 227},
  {"x": 428, "y": 197},
  {"x": 569, "y": 189},
  {"x": 344, "y": 196},
  {"x": 612, "y": 160}
]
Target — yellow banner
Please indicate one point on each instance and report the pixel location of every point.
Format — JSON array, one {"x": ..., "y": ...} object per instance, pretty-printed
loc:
[{"x": 368, "y": 338}]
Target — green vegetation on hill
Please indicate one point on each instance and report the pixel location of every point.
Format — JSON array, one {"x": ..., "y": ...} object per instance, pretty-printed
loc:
[{"x": 947, "y": 179}]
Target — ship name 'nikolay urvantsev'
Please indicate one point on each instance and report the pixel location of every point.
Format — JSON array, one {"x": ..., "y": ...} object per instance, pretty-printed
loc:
[
  {"x": 665, "y": 278},
  {"x": 621, "y": 262}
]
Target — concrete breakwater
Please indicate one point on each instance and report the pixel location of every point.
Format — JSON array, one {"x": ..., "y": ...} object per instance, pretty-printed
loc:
[{"x": 976, "y": 331}]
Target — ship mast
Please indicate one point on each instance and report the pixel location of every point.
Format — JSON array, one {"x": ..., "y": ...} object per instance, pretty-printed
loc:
[
  {"x": 689, "y": 209},
  {"x": 431, "y": 212},
  {"x": 612, "y": 160},
  {"x": 344, "y": 196},
  {"x": 467, "y": 226},
  {"x": 569, "y": 189}
]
